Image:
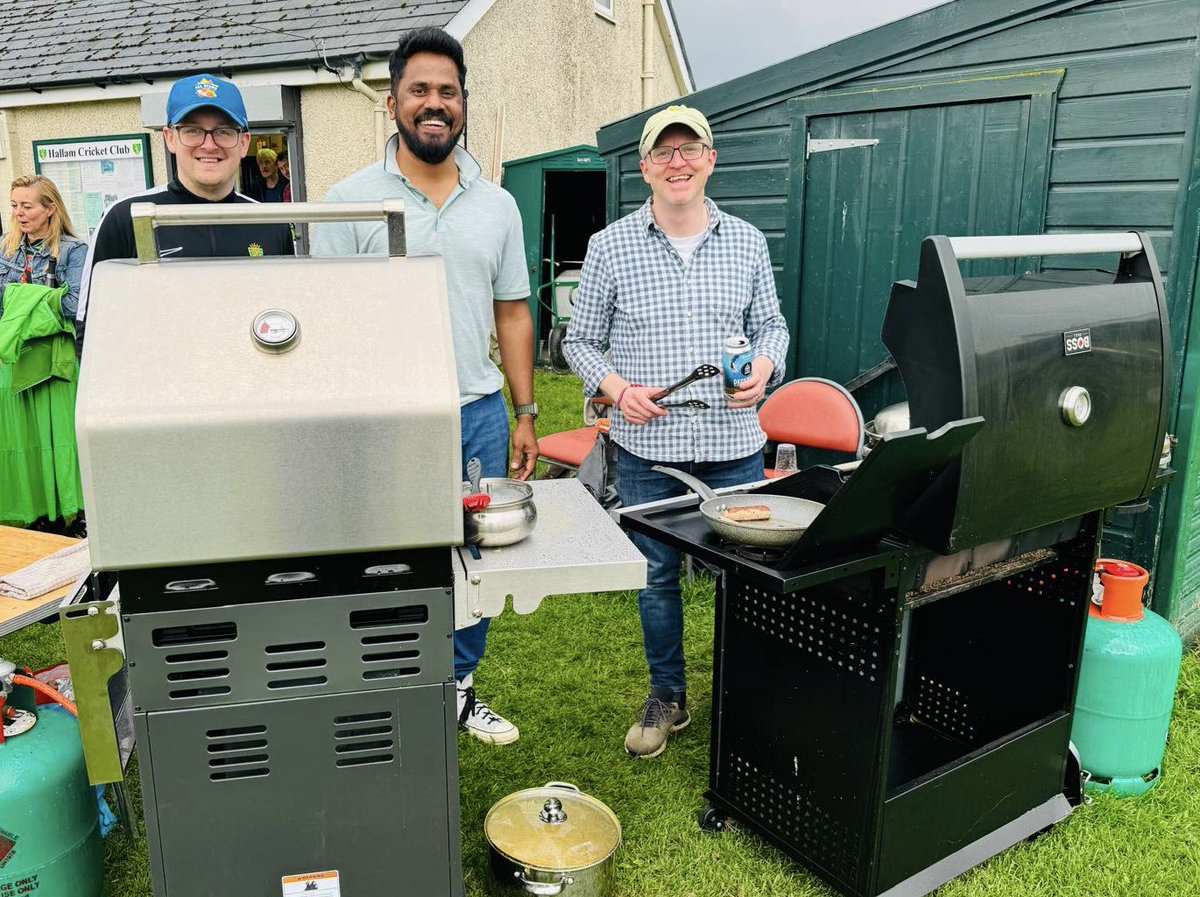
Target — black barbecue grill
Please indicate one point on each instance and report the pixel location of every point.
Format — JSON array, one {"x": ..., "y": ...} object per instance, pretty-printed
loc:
[{"x": 892, "y": 696}]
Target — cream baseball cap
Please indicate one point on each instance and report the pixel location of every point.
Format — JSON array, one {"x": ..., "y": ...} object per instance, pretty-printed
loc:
[{"x": 690, "y": 118}]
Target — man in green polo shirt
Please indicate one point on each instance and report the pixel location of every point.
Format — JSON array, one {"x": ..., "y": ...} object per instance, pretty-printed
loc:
[{"x": 474, "y": 225}]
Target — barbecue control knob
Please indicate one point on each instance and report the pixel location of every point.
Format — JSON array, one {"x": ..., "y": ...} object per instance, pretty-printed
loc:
[{"x": 1075, "y": 403}]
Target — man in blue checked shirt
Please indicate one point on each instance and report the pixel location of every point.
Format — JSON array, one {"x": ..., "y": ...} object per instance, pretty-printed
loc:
[{"x": 662, "y": 289}]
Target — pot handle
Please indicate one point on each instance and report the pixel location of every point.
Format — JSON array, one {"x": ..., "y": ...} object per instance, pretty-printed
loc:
[
  {"x": 696, "y": 486},
  {"x": 566, "y": 785},
  {"x": 543, "y": 888}
]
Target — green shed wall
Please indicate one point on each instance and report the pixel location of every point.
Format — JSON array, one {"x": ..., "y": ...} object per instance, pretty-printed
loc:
[{"x": 1123, "y": 148}]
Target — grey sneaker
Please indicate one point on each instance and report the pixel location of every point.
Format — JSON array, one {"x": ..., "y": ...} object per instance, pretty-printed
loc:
[
  {"x": 648, "y": 736},
  {"x": 478, "y": 719}
]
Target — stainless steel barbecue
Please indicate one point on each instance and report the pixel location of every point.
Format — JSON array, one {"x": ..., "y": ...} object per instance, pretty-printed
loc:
[{"x": 272, "y": 472}]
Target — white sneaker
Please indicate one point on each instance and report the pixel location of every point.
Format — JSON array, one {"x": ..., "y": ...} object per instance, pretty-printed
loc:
[{"x": 477, "y": 718}]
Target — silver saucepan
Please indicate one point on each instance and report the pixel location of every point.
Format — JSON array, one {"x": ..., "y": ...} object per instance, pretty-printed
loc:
[
  {"x": 790, "y": 517},
  {"x": 508, "y": 519}
]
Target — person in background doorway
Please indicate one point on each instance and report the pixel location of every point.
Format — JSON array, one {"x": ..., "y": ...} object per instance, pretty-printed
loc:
[
  {"x": 451, "y": 210},
  {"x": 664, "y": 287},
  {"x": 286, "y": 171},
  {"x": 274, "y": 183}
]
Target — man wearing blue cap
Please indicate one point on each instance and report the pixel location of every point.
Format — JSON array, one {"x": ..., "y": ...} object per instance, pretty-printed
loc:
[{"x": 208, "y": 134}]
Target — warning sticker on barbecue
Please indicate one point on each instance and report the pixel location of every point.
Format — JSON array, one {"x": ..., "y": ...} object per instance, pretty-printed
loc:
[
  {"x": 8, "y": 843},
  {"x": 312, "y": 884}
]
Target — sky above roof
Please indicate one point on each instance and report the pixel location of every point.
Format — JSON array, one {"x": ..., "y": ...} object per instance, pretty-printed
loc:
[{"x": 722, "y": 45}]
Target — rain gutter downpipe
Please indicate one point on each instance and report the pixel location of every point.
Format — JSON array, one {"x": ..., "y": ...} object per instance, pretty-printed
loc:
[
  {"x": 648, "y": 53},
  {"x": 381, "y": 136}
]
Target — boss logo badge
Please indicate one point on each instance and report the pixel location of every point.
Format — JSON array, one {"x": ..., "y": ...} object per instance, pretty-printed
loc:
[{"x": 1076, "y": 342}]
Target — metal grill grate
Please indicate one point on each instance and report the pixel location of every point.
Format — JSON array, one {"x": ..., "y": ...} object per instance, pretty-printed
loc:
[
  {"x": 237, "y": 753},
  {"x": 944, "y": 707},
  {"x": 237, "y": 654},
  {"x": 791, "y": 813},
  {"x": 835, "y": 629},
  {"x": 380, "y": 660},
  {"x": 295, "y": 657},
  {"x": 364, "y": 739}
]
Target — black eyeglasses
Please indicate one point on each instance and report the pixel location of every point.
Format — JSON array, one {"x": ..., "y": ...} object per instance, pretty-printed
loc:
[
  {"x": 689, "y": 152},
  {"x": 194, "y": 135}
]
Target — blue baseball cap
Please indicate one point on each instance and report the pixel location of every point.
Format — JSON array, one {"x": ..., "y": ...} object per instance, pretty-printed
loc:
[{"x": 200, "y": 91}]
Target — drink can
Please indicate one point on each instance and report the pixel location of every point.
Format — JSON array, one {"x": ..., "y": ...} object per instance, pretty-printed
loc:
[{"x": 735, "y": 363}]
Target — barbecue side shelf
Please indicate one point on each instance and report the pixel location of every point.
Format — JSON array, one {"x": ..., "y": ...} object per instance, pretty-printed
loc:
[{"x": 574, "y": 547}]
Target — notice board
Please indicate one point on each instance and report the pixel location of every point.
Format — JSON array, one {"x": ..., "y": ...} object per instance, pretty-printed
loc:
[{"x": 92, "y": 173}]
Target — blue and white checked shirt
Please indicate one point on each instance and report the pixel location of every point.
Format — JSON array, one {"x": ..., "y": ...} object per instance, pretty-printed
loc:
[{"x": 662, "y": 320}]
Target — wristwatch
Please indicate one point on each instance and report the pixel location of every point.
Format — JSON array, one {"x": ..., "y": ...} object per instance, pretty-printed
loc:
[{"x": 530, "y": 409}]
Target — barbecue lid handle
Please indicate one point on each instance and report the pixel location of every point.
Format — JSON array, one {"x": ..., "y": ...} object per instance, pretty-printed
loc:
[
  {"x": 1019, "y": 245},
  {"x": 147, "y": 216}
]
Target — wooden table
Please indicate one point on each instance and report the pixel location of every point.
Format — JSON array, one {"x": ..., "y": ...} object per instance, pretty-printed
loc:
[{"x": 20, "y": 548}]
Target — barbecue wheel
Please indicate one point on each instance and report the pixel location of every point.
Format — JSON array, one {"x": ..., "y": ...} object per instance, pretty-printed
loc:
[
  {"x": 711, "y": 820},
  {"x": 558, "y": 362}
]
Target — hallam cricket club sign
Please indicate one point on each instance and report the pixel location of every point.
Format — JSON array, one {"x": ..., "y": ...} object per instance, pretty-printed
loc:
[
  {"x": 93, "y": 172},
  {"x": 81, "y": 151}
]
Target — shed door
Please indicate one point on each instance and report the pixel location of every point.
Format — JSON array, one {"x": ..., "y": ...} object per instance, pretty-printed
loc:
[{"x": 956, "y": 169}]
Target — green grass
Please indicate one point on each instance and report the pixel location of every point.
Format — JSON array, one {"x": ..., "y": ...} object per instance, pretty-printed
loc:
[{"x": 572, "y": 676}]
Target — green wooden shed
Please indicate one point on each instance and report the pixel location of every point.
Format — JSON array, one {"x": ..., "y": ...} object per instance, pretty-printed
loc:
[
  {"x": 974, "y": 117},
  {"x": 561, "y": 196}
]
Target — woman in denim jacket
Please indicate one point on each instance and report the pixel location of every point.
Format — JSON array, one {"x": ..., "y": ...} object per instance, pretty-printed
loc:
[{"x": 41, "y": 246}]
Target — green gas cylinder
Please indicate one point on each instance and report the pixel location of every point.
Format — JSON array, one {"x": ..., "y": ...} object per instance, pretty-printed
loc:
[
  {"x": 49, "y": 825},
  {"x": 1131, "y": 660}
]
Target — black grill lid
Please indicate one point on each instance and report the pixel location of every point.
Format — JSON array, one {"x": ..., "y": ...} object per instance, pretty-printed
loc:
[{"x": 1015, "y": 351}]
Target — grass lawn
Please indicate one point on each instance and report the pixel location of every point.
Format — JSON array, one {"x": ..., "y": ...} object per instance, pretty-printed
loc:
[{"x": 572, "y": 676}]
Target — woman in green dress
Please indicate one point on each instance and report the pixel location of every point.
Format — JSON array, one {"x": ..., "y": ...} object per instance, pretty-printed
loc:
[{"x": 41, "y": 267}]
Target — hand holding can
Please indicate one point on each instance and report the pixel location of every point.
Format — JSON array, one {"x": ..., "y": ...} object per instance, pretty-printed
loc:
[{"x": 736, "y": 362}]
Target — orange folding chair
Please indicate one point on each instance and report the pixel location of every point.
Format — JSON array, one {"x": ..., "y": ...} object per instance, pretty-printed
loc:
[
  {"x": 564, "y": 452},
  {"x": 814, "y": 412}
]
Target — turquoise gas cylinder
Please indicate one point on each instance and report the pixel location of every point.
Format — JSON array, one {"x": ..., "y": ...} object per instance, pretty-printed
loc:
[
  {"x": 49, "y": 827},
  {"x": 1131, "y": 660}
]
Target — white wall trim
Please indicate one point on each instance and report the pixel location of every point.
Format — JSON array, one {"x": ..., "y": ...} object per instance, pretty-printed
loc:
[
  {"x": 90, "y": 93},
  {"x": 666, "y": 21},
  {"x": 468, "y": 17}
]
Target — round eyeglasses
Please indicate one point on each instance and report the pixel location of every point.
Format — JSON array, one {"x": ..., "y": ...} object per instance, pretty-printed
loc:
[
  {"x": 689, "y": 152},
  {"x": 194, "y": 135}
]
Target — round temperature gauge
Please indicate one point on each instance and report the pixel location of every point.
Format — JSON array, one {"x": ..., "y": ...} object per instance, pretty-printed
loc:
[{"x": 275, "y": 330}]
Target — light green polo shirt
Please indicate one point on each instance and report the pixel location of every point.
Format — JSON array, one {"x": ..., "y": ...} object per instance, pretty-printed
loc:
[{"x": 477, "y": 232}]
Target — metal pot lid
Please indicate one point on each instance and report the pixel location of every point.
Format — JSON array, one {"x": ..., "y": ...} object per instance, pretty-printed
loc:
[
  {"x": 556, "y": 828},
  {"x": 891, "y": 419}
]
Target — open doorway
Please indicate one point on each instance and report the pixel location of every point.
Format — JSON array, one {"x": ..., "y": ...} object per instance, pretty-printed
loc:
[
  {"x": 263, "y": 170},
  {"x": 572, "y": 210}
]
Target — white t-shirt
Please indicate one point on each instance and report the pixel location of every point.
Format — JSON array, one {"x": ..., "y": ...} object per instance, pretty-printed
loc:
[{"x": 686, "y": 246}]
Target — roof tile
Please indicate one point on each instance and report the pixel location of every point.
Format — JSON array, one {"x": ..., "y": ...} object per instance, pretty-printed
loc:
[{"x": 90, "y": 41}]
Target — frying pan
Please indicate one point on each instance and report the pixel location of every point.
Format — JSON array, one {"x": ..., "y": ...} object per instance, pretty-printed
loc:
[{"x": 790, "y": 517}]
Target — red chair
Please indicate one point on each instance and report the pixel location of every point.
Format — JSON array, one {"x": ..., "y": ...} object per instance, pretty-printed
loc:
[
  {"x": 564, "y": 452},
  {"x": 814, "y": 412}
]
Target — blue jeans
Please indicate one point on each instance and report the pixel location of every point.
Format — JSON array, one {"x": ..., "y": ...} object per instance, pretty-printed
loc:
[
  {"x": 661, "y": 603},
  {"x": 484, "y": 436}
]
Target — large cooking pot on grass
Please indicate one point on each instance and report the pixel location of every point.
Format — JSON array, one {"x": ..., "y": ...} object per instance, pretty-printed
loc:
[
  {"x": 554, "y": 840},
  {"x": 789, "y": 517},
  {"x": 508, "y": 518}
]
